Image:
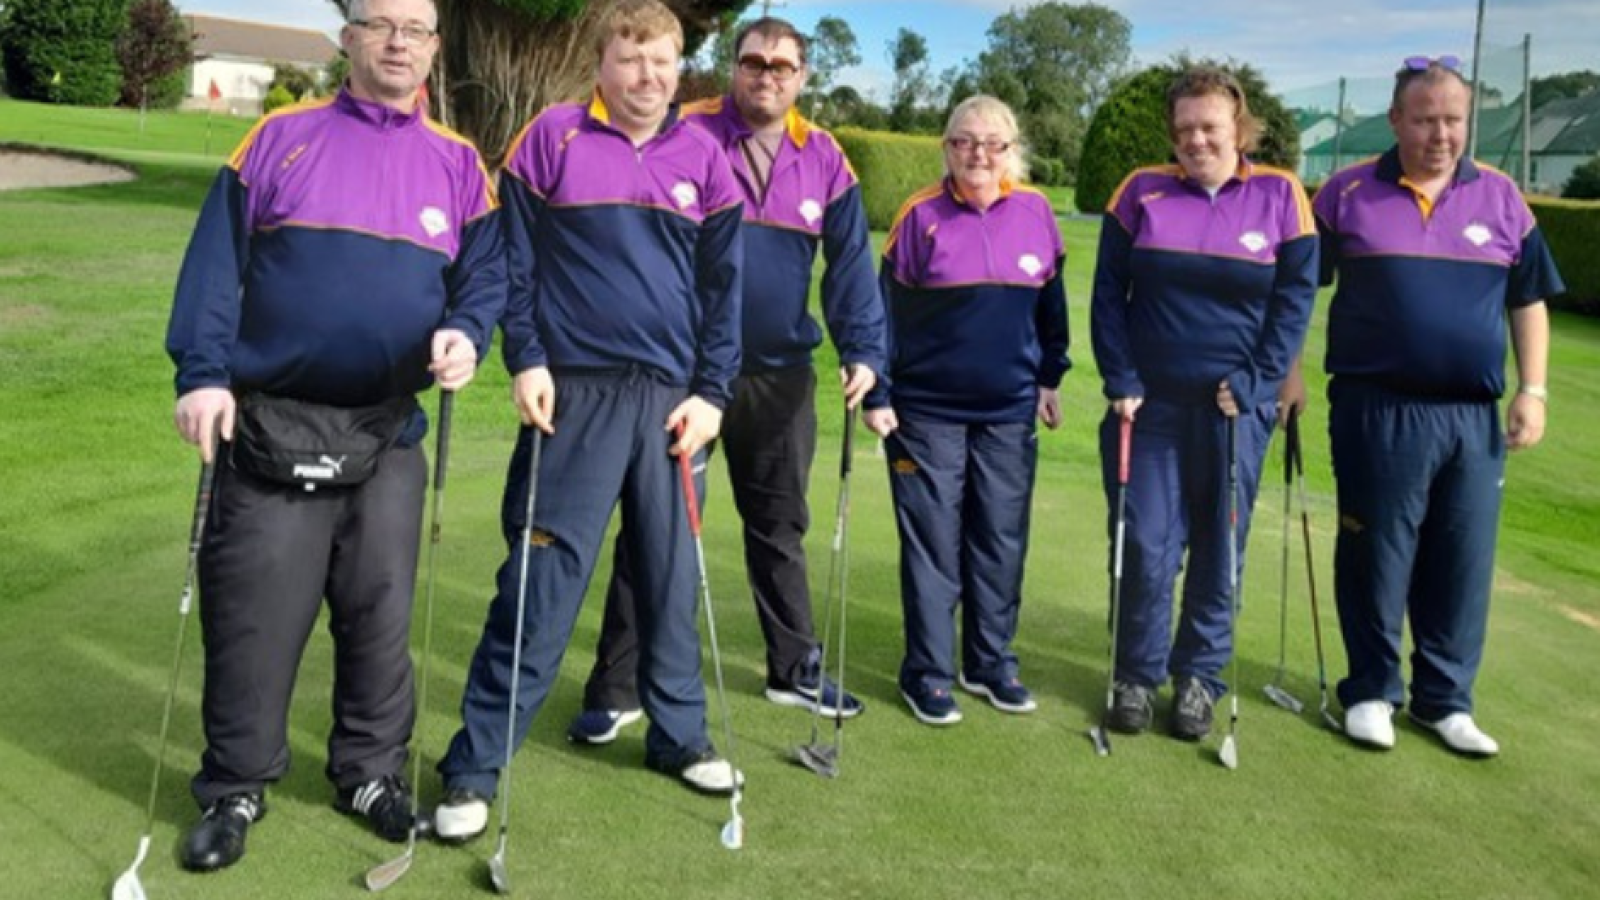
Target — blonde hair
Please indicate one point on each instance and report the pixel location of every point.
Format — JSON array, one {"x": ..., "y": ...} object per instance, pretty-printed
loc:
[
  {"x": 640, "y": 21},
  {"x": 997, "y": 113}
]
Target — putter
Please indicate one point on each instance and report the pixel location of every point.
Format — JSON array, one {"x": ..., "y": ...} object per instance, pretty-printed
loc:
[
  {"x": 1296, "y": 451},
  {"x": 733, "y": 831},
  {"x": 128, "y": 886},
  {"x": 1100, "y": 734},
  {"x": 1229, "y": 754},
  {"x": 385, "y": 874},
  {"x": 1275, "y": 690},
  {"x": 497, "y": 863},
  {"x": 821, "y": 758}
]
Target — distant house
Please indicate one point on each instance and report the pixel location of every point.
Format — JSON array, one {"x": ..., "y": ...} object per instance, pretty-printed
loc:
[{"x": 237, "y": 57}]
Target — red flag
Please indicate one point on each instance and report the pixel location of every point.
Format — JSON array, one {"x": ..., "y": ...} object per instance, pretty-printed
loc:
[{"x": 215, "y": 93}]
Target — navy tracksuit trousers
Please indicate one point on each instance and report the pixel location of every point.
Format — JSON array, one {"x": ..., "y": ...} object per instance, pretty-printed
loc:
[
  {"x": 610, "y": 446},
  {"x": 1177, "y": 502},
  {"x": 1419, "y": 483},
  {"x": 962, "y": 496}
]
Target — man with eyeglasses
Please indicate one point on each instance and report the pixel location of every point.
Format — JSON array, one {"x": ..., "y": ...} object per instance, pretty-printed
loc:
[
  {"x": 349, "y": 255},
  {"x": 799, "y": 193},
  {"x": 1433, "y": 255}
]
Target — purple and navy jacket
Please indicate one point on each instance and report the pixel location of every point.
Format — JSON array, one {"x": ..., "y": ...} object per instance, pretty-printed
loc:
[
  {"x": 812, "y": 198},
  {"x": 340, "y": 235},
  {"x": 1424, "y": 287},
  {"x": 622, "y": 259},
  {"x": 1191, "y": 289},
  {"x": 977, "y": 311}
]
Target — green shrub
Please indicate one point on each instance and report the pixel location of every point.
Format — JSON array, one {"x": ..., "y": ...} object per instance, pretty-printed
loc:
[
  {"x": 278, "y": 96},
  {"x": 1045, "y": 170},
  {"x": 891, "y": 167},
  {"x": 1572, "y": 229},
  {"x": 63, "y": 51},
  {"x": 1585, "y": 181},
  {"x": 1129, "y": 129}
]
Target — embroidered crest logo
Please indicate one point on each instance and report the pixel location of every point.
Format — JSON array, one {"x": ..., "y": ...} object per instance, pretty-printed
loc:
[
  {"x": 810, "y": 210},
  {"x": 684, "y": 194},
  {"x": 1030, "y": 264},
  {"x": 1254, "y": 241},
  {"x": 1478, "y": 233},
  {"x": 434, "y": 221}
]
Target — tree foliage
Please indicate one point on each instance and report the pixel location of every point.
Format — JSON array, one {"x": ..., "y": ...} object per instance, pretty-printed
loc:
[
  {"x": 1585, "y": 181},
  {"x": 296, "y": 81},
  {"x": 1562, "y": 86},
  {"x": 1129, "y": 129},
  {"x": 154, "y": 47},
  {"x": 501, "y": 61},
  {"x": 63, "y": 51},
  {"x": 833, "y": 47},
  {"x": 913, "y": 82},
  {"x": 1053, "y": 63}
]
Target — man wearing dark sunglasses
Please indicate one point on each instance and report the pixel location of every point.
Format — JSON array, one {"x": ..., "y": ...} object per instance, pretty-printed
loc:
[
  {"x": 799, "y": 192},
  {"x": 1433, "y": 255}
]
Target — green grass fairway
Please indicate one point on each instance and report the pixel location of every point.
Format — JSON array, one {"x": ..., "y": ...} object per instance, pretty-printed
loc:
[{"x": 94, "y": 517}]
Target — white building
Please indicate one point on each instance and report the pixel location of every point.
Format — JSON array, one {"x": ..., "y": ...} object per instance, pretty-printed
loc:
[{"x": 237, "y": 58}]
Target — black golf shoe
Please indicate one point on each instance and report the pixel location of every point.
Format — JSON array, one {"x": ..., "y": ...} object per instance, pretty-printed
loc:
[
  {"x": 1131, "y": 708},
  {"x": 217, "y": 840},
  {"x": 1191, "y": 710},
  {"x": 384, "y": 802}
]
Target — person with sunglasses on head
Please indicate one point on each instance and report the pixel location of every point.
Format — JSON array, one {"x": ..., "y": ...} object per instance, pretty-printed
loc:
[
  {"x": 622, "y": 334},
  {"x": 1203, "y": 291},
  {"x": 799, "y": 194},
  {"x": 321, "y": 291},
  {"x": 1433, "y": 255},
  {"x": 971, "y": 275}
]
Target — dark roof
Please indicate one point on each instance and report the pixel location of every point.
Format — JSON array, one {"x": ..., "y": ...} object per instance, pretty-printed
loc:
[
  {"x": 218, "y": 37},
  {"x": 1497, "y": 128},
  {"x": 1579, "y": 121}
]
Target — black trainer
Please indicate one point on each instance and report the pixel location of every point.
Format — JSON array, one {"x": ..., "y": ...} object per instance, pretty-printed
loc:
[
  {"x": 384, "y": 802},
  {"x": 217, "y": 840},
  {"x": 1132, "y": 708},
  {"x": 1191, "y": 710}
]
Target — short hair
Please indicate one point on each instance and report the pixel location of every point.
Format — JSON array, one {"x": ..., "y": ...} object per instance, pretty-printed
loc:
[
  {"x": 1433, "y": 74},
  {"x": 357, "y": 11},
  {"x": 996, "y": 111},
  {"x": 1204, "y": 81},
  {"x": 640, "y": 21},
  {"x": 773, "y": 29}
]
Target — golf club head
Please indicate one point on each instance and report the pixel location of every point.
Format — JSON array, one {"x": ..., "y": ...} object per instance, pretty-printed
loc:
[
  {"x": 819, "y": 758},
  {"x": 1329, "y": 720},
  {"x": 1283, "y": 698},
  {"x": 384, "y": 875},
  {"x": 1229, "y": 754},
  {"x": 733, "y": 831},
  {"x": 1101, "y": 740},
  {"x": 497, "y": 872},
  {"x": 128, "y": 886}
]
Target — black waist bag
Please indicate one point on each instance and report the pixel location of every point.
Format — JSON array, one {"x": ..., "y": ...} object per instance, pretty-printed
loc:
[{"x": 311, "y": 445}]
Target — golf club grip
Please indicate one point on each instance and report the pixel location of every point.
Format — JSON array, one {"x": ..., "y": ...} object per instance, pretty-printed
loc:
[
  {"x": 1124, "y": 448},
  {"x": 1291, "y": 437},
  {"x": 849, "y": 441},
  {"x": 1296, "y": 452},
  {"x": 690, "y": 500},
  {"x": 202, "y": 503},
  {"x": 441, "y": 456}
]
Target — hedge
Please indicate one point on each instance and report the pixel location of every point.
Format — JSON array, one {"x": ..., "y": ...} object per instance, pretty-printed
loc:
[
  {"x": 891, "y": 168},
  {"x": 1572, "y": 229}
]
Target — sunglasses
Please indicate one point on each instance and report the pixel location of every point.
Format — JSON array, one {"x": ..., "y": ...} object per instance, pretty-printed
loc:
[
  {"x": 754, "y": 66},
  {"x": 1423, "y": 63}
]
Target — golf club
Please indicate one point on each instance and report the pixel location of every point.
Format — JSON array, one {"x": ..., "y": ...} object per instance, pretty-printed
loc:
[
  {"x": 1275, "y": 690},
  {"x": 1100, "y": 734},
  {"x": 1229, "y": 754},
  {"x": 497, "y": 863},
  {"x": 1296, "y": 451},
  {"x": 820, "y": 758},
  {"x": 385, "y": 874},
  {"x": 733, "y": 831},
  {"x": 128, "y": 886}
]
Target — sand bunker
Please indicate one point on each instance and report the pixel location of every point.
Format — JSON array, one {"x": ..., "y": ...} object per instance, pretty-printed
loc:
[{"x": 28, "y": 168}]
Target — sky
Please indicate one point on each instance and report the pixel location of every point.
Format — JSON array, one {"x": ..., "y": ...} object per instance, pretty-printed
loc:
[{"x": 1302, "y": 46}]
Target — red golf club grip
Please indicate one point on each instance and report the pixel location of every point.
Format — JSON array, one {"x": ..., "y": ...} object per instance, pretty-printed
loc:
[
  {"x": 686, "y": 474},
  {"x": 1124, "y": 449}
]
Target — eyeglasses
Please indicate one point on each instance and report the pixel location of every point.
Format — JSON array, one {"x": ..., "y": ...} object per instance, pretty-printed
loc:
[
  {"x": 1423, "y": 63},
  {"x": 962, "y": 143},
  {"x": 755, "y": 65},
  {"x": 382, "y": 29}
]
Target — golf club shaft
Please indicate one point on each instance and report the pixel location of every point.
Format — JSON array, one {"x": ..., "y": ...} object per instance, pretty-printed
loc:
[
  {"x": 1233, "y": 569},
  {"x": 447, "y": 402},
  {"x": 692, "y": 502},
  {"x": 1297, "y": 452},
  {"x": 843, "y": 550},
  {"x": 1283, "y": 583},
  {"x": 1119, "y": 539},
  {"x": 537, "y": 444}
]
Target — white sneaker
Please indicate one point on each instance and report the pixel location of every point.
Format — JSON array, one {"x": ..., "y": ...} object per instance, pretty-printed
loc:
[
  {"x": 1461, "y": 734},
  {"x": 711, "y": 774},
  {"x": 462, "y": 816},
  {"x": 1371, "y": 723}
]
